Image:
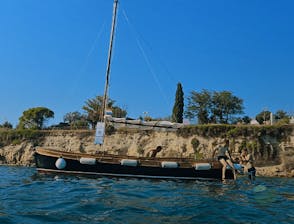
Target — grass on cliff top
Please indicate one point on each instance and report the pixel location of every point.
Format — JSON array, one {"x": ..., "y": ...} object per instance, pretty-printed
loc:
[
  {"x": 16, "y": 136},
  {"x": 223, "y": 130},
  {"x": 230, "y": 131}
]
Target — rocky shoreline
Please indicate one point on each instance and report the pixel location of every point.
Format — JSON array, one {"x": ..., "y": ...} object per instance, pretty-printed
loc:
[
  {"x": 274, "y": 171},
  {"x": 276, "y": 159}
]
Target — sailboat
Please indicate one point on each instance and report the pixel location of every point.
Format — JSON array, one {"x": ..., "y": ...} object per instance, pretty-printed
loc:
[{"x": 104, "y": 164}]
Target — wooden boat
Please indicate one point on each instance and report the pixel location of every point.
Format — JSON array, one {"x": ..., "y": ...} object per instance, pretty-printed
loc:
[{"x": 49, "y": 160}]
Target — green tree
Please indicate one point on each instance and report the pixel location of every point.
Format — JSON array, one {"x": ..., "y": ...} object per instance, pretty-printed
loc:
[
  {"x": 263, "y": 116},
  {"x": 93, "y": 109},
  {"x": 6, "y": 125},
  {"x": 280, "y": 114},
  {"x": 216, "y": 107},
  {"x": 118, "y": 112},
  {"x": 178, "y": 109},
  {"x": 199, "y": 105},
  {"x": 282, "y": 117},
  {"x": 225, "y": 105},
  {"x": 246, "y": 120},
  {"x": 35, "y": 118},
  {"x": 76, "y": 119},
  {"x": 236, "y": 120}
]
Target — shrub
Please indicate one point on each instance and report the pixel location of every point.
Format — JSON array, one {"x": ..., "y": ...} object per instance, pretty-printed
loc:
[
  {"x": 109, "y": 130},
  {"x": 15, "y": 136},
  {"x": 140, "y": 150},
  {"x": 195, "y": 143},
  {"x": 184, "y": 148}
]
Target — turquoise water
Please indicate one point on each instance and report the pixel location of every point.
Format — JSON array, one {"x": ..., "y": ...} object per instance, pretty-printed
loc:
[{"x": 28, "y": 197}]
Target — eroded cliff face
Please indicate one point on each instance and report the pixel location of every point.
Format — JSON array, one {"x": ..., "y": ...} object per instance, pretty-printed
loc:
[{"x": 273, "y": 156}]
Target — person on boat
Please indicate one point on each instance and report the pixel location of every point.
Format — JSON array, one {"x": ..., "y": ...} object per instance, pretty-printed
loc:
[
  {"x": 248, "y": 161},
  {"x": 153, "y": 152},
  {"x": 224, "y": 157}
]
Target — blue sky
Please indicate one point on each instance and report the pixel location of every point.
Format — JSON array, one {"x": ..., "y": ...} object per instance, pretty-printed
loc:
[{"x": 53, "y": 53}]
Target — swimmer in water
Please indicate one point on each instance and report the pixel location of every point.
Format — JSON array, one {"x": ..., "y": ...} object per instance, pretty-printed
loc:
[{"x": 248, "y": 162}]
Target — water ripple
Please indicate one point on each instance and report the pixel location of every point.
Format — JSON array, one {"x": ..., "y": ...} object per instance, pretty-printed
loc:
[{"x": 28, "y": 197}]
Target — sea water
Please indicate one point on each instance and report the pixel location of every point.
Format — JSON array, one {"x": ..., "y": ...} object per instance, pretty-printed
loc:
[{"x": 29, "y": 197}]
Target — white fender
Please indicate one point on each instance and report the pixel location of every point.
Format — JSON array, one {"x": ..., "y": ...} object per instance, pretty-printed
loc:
[
  {"x": 60, "y": 163},
  {"x": 87, "y": 161},
  {"x": 168, "y": 164},
  {"x": 129, "y": 162},
  {"x": 202, "y": 166}
]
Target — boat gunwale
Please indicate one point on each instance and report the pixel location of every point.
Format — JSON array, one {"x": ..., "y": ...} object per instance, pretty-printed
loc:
[{"x": 116, "y": 159}]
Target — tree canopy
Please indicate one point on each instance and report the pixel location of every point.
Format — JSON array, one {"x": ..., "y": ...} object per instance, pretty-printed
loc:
[
  {"x": 93, "y": 109},
  {"x": 199, "y": 105},
  {"x": 6, "y": 125},
  {"x": 213, "y": 107},
  {"x": 280, "y": 114},
  {"x": 246, "y": 120},
  {"x": 35, "y": 118},
  {"x": 280, "y": 117},
  {"x": 224, "y": 105},
  {"x": 263, "y": 116},
  {"x": 76, "y": 119}
]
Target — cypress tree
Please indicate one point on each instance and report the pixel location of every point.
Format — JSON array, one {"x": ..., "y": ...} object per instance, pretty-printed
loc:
[{"x": 178, "y": 108}]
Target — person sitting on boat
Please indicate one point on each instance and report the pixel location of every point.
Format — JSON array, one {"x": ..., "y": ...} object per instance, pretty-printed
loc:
[
  {"x": 225, "y": 159},
  {"x": 155, "y": 151},
  {"x": 247, "y": 161}
]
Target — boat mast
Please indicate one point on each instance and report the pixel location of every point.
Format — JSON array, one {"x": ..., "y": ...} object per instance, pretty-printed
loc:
[{"x": 105, "y": 96}]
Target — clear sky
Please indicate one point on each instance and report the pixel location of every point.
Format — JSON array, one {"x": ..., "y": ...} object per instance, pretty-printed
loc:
[{"x": 53, "y": 53}]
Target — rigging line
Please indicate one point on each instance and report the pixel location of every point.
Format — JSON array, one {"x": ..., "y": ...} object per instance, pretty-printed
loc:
[
  {"x": 82, "y": 68},
  {"x": 155, "y": 76},
  {"x": 158, "y": 58},
  {"x": 92, "y": 47}
]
